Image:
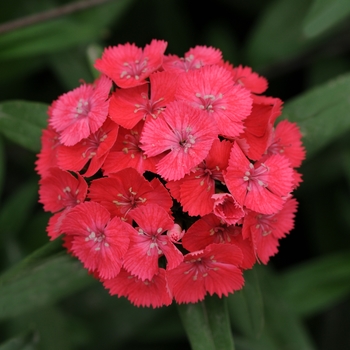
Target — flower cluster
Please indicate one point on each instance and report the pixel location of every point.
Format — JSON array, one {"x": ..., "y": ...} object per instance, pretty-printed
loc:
[{"x": 167, "y": 176}]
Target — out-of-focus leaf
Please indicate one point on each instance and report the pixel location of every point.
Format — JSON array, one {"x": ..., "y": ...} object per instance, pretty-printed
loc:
[
  {"x": 62, "y": 33},
  {"x": 246, "y": 307},
  {"x": 21, "y": 342},
  {"x": 314, "y": 286},
  {"x": 324, "y": 14},
  {"x": 71, "y": 67},
  {"x": 207, "y": 324},
  {"x": 93, "y": 52},
  {"x": 322, "y": 113},
  {"x": 22, "y": 122},
  {"x": 2, "y": 165},
  {"x": 282, "y": 326},
  {"x": 278, "y": 34},
  {"x": 16, "y": 210},
  {"x": 42, "y": 284}
]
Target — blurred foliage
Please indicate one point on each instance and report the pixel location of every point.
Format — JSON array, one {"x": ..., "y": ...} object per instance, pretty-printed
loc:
[{"x": 301, "y": 300}]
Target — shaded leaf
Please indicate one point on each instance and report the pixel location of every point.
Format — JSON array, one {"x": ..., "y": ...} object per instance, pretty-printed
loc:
[
  {"x": 59, "y": 34},
  {"x": 41, "y": 284},
  {"x": 282, "y": 326},
  {"x": 21, "y": 342},
  {"x": 278, "y": 34},
  {"x": 207, "y": 324},
  {"x": 325, "y": 14},
  {"x": 22, "y": 122},
  {"x": 322, "y": 113},
  {"x": 2, "y": 165},
  {"x": 246, "y": 307},
  {"x": 314, "y": 286}
]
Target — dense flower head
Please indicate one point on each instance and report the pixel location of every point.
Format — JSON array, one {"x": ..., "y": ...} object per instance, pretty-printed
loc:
[{"x": 169, "y": 176}]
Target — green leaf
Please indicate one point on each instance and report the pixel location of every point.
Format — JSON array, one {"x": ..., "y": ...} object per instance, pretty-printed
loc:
[
  {"x": 246, "y": 307},
  {"x": 22, "y": 122},
  {"x": 2, "y": 165},
  {"x": 322, "y": 113},
  {"x": 314, "y": 286},
  {"x": 63, "y": 33},
  {"x": 71, "y": 67},
  {"x": 41, "y": 284},
  {"x": 278, "y": 34},
  {"x": 207, "y": 324},
  {"x": 16, "y": 210},
  {"x": 324, "y": 14},
  {"x": 282, "y": 326},
  {"x": 21, "y": 342}
]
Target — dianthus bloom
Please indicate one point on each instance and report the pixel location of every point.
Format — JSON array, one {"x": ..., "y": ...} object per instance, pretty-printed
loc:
[{"x": 168, "y": 176}]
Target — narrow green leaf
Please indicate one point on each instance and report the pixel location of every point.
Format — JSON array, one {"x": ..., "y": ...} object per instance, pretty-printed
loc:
[
  {"x": 22, "y": 122},
  {"x": 71, "y": 67},
  {"x": 21, "y": 342},
  {"x": 93, "y": 52},
  {"x": 324, "y": 14},
  {"x": 63, "y": 33},
  {"x": 314, "y": 286},
  {"x": 16, "y": 210},
  {"x": 246, "y": 307},
  {"x": 2, "y": 165},
  {"x": 278, "y": 35},
  {"x": 282, "y": 326},
  {"x": 207, "y": 324},
  {"x": 322, "y": 113},
  {"x": 42, "y": 284}
]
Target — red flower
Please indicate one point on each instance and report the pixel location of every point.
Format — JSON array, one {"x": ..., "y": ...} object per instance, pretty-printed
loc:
[
  {"x": 148, "y": 244},
  {"x": 266, "y": 230},
  {"x": 227, "y": 208},
  {"x": 60, "y": 191},
  {"x": 195, "y": 190},
  {"x": 262, "y": 187},
  {"x": 93, "y": 149},
  {"x": 129, "y": 106},
  {"x": 212, "y": 89},
  {"x": 99, "y": 242},
  {"x": 126, "y": 153},
  {"x": 195, "y": 58},
  {"x": 128, "y": 65},
  {"x": 80, "y": 112},
  {"x": 214, "y": 270},
  {"x": 150, "y": 292},
  {"x": 127, "y": 190},
  {"x": 185, "y": 132}
]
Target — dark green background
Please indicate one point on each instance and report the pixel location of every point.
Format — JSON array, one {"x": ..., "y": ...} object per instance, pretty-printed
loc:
[{"x": 301, "y": 300}]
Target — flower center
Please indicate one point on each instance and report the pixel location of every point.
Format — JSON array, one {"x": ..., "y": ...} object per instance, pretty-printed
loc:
[
  {"x": 82, "y": 109},
  {"x": 134, "y": 69}
]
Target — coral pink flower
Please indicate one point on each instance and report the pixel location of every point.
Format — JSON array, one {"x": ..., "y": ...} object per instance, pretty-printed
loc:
[
  {"x": 153, "y": 292},
  {"x": 95, "y": 149},
  {"x": 258, "y": 130},
  {"x": 47, "y": 158},
  {"x": 226, "y": 208},
  {"x": 214, "y": 270},
  {"x": 195, "y": 58},
  {"x": 266, "y": 230},
  {"x": 127, "y": 190},
  {"x": 148, "y": 244},
  {"x": 261, "y": 187},
  {"x": 128, "y": 106},
  {"x": 211, "y": 229},
  {"x": 185, "y": 132},
  {"x": 249, "y": 79},
  {"x": 60, "y": 191},
  {"x": 287, "y": 141},
  {"x": 128, "y": 65},
  {"x": 80, "y": 112},
  {"x": 212, "y": 89},
  {"x": 99, "y": 242},
  {"x": 195, "y": 190},
  {"x": 126, "y": 153}
]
